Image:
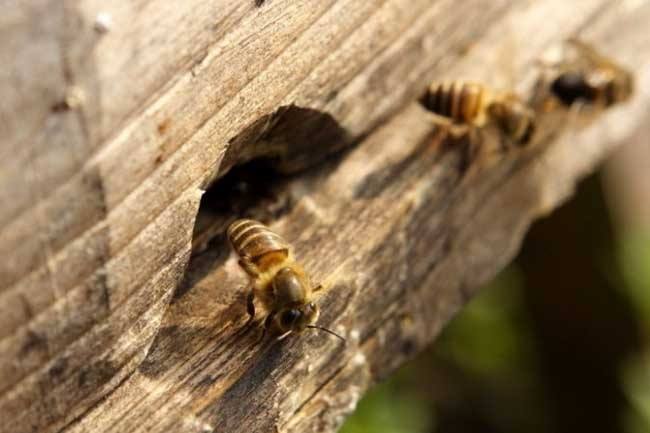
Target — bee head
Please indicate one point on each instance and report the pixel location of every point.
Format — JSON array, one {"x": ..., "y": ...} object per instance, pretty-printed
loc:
[
  {"x": 296, "y": 313},
  {"x": 298, "y": 317},
  {"x": 514, "y": 118}
]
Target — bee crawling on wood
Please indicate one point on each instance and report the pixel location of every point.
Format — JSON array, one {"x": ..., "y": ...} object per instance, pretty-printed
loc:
[
  {"x": 278, "y": 281},
  {"x": 581, "y": 76},
  {"x": 474, "y": 104}
]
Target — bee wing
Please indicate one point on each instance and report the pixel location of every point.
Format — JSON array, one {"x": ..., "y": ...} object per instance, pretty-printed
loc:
[{"x": 588, "y": 54}]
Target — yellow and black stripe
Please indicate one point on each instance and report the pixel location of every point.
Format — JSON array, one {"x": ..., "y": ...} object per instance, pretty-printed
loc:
[
  {"x": 256, "y": 241},
  {"x": 460, "y": 101}
]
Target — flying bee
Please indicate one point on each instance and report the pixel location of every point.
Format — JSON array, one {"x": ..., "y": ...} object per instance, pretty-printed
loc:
[
  {"x": 474, "y": 104},
  {"x": 582, "y": 75},
  {"x": 278, "y": 281}
]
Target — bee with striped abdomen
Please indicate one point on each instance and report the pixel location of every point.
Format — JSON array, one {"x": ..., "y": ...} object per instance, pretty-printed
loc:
[
  {"x": 474, "y": 104},
  {"x": 278, "y": 281},
  {"x": 582, "y": 75}
]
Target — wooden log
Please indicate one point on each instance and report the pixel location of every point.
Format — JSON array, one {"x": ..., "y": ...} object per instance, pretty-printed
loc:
[{"x": 121, "y": 310}]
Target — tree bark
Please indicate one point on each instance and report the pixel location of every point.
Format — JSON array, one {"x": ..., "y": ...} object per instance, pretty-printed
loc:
[{"x": 121, "y": 307}]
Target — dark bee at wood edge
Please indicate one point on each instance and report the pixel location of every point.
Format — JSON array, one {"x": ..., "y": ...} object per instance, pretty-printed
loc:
[
  {"x": 608, "y": 89},
  {"x": 277, "y": 280},
  {"x": 590, "y": 78}
]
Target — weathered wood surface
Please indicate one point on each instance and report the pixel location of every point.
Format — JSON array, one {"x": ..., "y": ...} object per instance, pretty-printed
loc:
[{"x": 99, "y": 200}]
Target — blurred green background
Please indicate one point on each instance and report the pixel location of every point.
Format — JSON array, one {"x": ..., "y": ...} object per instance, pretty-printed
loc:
[{"x": 558, "y": 342}]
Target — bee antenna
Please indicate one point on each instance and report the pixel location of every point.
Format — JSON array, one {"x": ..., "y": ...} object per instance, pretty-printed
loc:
[
  {"x": 283, "y": 336},
  {"x": 329, "y": 331}
]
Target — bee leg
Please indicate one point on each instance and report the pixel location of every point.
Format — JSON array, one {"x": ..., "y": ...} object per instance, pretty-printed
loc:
[
  {"x": 267, "y": 324},
  {"x": 317, "y": 288},
  {"x": 457, "y": 132},
  {"x": 247, "y": 265},
  {"x": 576, "y": 110},
  {"x": 269, "y": 320},
  {"x": 250, "y": 305},
  {"x": 443, "y": 122}
]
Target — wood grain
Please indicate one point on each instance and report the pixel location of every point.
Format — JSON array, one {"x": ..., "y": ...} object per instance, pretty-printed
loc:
[{"x": 110, "y": 138}]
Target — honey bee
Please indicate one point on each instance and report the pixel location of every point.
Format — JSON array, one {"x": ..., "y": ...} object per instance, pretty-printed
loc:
[
  {"x": 584, "y": 76},
  {"x": 278, "y": 281},
  {"x": 474, "y": 104}
]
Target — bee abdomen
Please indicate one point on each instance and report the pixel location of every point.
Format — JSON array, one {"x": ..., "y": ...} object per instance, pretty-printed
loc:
[
  {"x": 255, "y": 240},
  {"x": 458, "y": 100}
]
